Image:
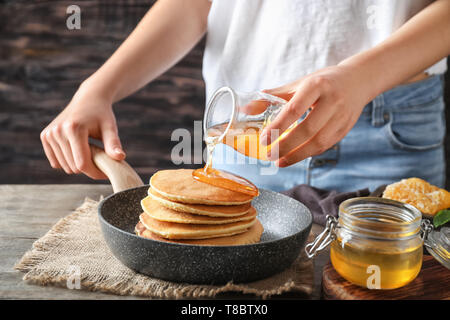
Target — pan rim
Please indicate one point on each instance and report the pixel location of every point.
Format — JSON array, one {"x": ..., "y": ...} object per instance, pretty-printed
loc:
[{"x": 103, "y": 220}]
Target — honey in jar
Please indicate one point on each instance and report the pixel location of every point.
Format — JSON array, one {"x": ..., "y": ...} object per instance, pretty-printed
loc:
[
  {"x": 378, "y": 243},
  {"x": 395, "y": 267}
]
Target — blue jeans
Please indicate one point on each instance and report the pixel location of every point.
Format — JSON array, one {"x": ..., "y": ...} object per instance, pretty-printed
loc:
[{"x": 399, "y": 134}]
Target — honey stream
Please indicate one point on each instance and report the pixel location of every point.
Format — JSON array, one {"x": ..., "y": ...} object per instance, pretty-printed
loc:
[{"x": 244, "y": 139}]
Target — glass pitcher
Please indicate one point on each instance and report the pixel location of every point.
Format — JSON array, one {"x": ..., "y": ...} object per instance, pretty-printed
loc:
[{"x": 238, "y": 118}]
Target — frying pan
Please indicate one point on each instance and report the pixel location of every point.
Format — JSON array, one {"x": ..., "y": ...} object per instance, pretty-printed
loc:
[{"x": 286, "y": 222}]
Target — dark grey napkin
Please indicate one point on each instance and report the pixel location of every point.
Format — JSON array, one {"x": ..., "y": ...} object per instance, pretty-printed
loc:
[{"x": 322, "y": 202}]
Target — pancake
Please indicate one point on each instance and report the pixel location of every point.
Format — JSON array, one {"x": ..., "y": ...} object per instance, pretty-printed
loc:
[
  {"x": 180, "y": 186},
  {"x": 201, "y": 209},
  {"x": 156, "y": 211},
  {"x": 172, "y": 230},
  {"x": 251, "y": 235}
]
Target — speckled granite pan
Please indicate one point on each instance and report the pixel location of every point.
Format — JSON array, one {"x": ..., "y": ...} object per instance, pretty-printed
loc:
[{"x": 286, "y": 222}]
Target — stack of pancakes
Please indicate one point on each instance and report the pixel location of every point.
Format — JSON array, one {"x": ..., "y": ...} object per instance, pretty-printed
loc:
[{"x": 180, "y": 209}]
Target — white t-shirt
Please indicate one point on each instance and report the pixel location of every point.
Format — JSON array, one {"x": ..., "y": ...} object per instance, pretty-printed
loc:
[{"x": 262, "y": 44}]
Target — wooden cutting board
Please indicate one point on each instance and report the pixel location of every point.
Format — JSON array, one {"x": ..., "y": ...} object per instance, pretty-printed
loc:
[{"x": 433, "y": 282}]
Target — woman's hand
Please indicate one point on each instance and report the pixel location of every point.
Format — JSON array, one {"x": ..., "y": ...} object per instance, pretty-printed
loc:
[
  {"x": 65, "y": 139},
  {"x": 153, "y": 47},
  {"x": 336, "y": 96}
]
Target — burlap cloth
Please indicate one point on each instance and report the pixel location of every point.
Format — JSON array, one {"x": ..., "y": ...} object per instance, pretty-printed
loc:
[{"x": 76, "y": 240}]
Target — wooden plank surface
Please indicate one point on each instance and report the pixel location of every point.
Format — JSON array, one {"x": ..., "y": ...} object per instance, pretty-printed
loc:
[{"x": 27, "y": 212}]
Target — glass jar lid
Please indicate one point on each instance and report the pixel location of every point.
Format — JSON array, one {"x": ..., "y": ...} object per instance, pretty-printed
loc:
[
  {"x": 379, "y": 218},
  {"x": 438, "y": 245}
]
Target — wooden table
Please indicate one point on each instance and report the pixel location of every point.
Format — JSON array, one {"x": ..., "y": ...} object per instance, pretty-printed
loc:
[{"x": 27, "y": 212}]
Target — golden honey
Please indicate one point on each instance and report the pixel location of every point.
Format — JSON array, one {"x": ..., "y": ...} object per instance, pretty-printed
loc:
[
  {"x": 225, "y": 180},
  {"x": 378, "y": 243},
  {"x": 244, "y": 138},
  {"x": 396, "y": 267}
]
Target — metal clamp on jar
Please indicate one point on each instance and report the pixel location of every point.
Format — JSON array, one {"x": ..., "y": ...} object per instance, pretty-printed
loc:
[{"x": 378, "y": 243}]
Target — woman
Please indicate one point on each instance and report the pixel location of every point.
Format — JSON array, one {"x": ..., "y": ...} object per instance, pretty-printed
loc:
[{"x": 371, "y": 72}]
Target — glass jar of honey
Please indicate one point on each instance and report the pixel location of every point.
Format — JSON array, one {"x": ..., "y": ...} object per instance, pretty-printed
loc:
[{"x": 375, "y": 243}]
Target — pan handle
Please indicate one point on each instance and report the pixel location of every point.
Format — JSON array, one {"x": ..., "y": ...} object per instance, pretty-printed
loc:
[{"x": 121, "y": 175}]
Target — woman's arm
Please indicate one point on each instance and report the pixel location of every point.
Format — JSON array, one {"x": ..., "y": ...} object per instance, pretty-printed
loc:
[
  {"x": 165, "y": 34},
  {"x": 418, "y": 44},
  {"x": 338, "y": 94}
]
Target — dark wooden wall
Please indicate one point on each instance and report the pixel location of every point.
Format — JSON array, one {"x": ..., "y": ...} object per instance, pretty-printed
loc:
[{"x": 42, "y": 63}]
